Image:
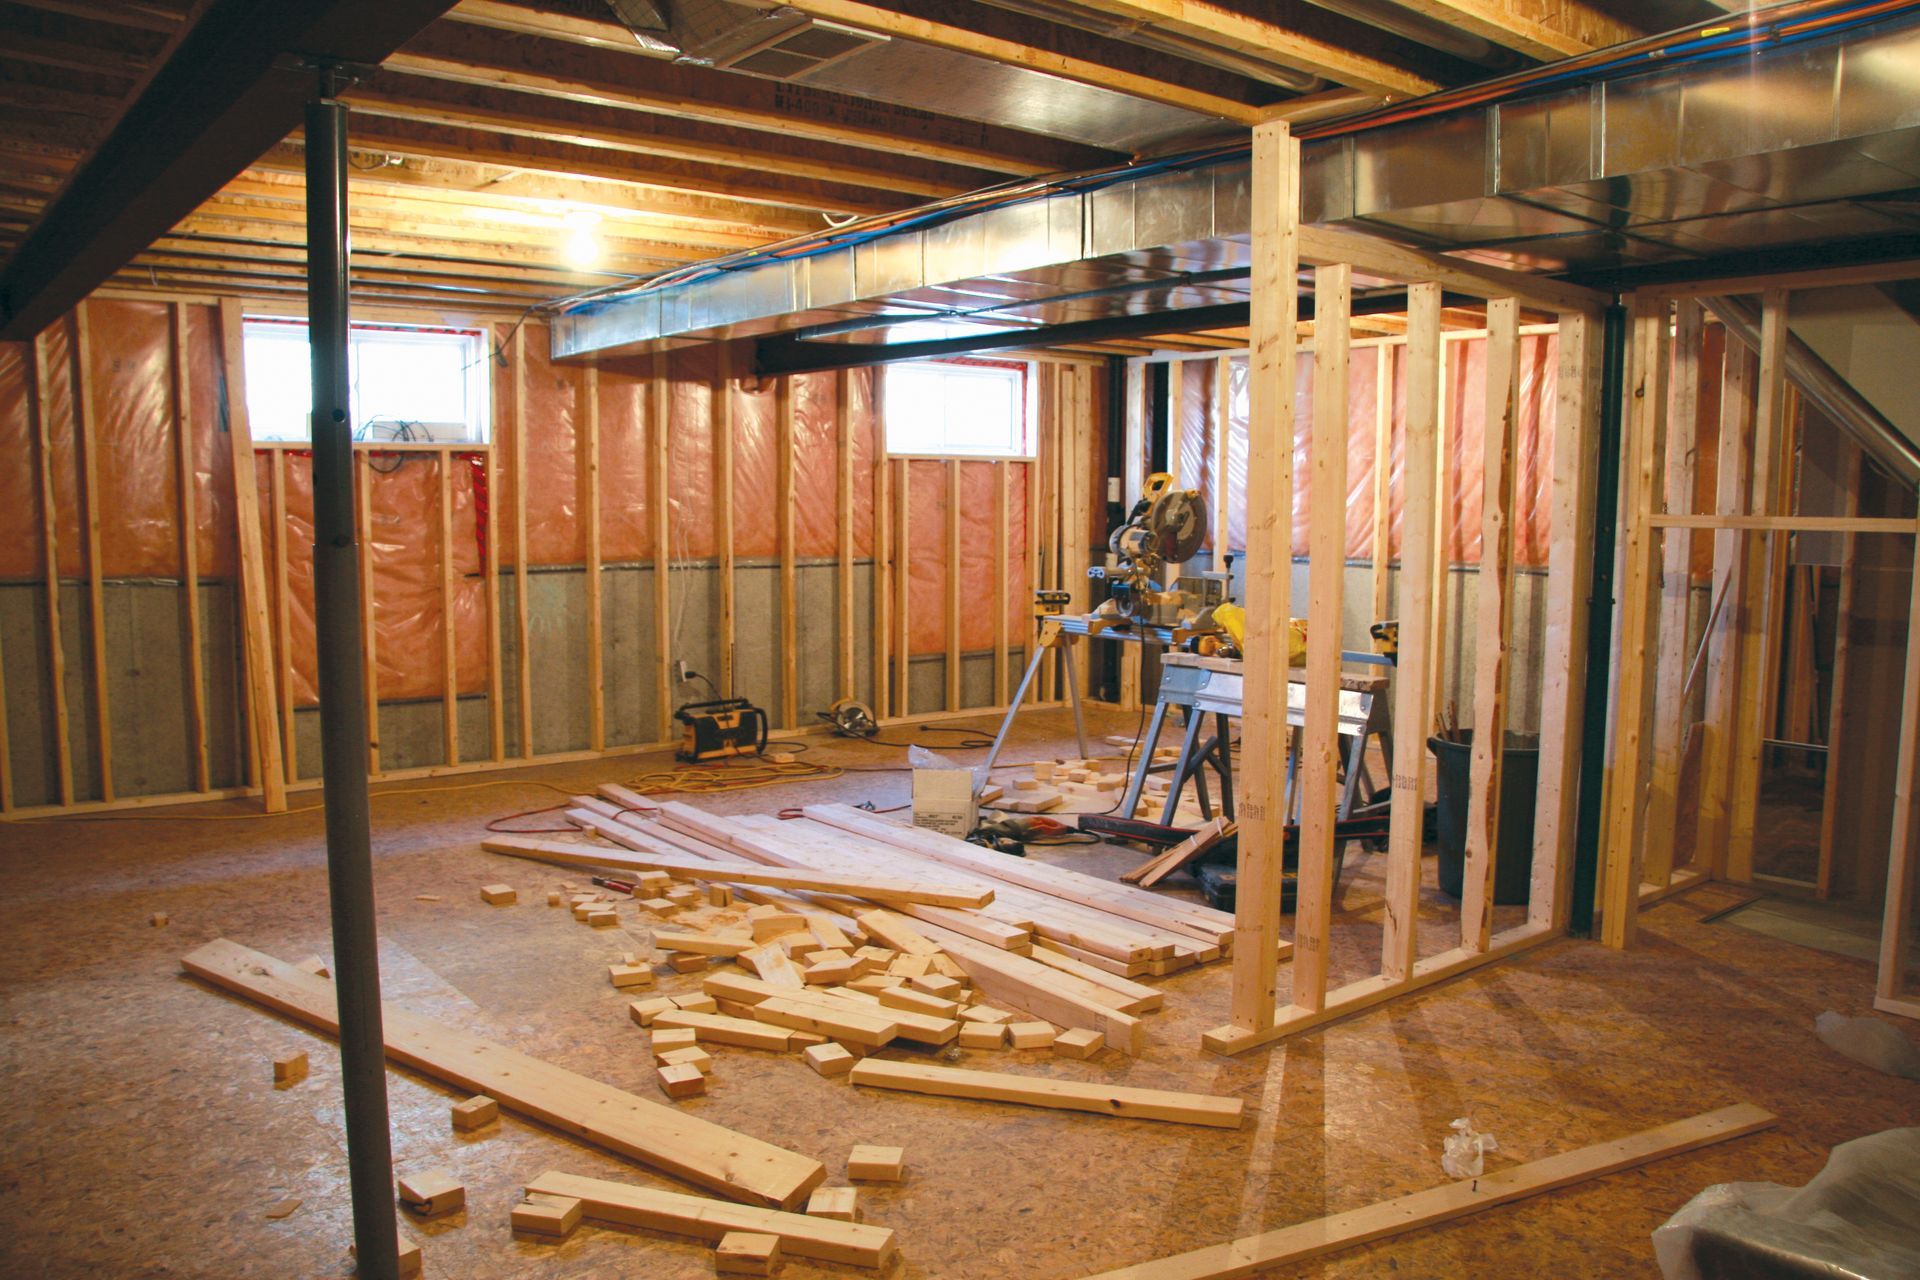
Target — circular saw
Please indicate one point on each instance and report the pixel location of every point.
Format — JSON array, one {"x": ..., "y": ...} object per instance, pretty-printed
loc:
[{"x": 851, "y": 719}]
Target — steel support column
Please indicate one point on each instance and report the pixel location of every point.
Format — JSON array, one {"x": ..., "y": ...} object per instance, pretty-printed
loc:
[{"x": 343, "y": 718}]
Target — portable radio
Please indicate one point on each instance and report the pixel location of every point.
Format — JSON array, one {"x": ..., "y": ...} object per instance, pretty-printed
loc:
[{"x": 722, "y": 728}]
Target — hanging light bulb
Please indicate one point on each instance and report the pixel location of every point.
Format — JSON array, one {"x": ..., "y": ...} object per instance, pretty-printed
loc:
[{"x": 583, "y": 247}]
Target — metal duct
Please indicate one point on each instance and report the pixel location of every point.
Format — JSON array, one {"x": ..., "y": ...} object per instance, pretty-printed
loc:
[
  {"x": 1828, "y": 392},
  {"x": 1812, "y": 144}
]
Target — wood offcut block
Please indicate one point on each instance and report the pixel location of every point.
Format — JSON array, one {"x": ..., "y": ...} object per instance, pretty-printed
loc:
[
  {"x": 654, "y": 883},
  {"x": 775, "y": 924},
  {"x": 475, "y": 1113},
  {"x": 1077, "y": 1042},
  {"x": 686, "y": 895},
  {"x": 630, "y": 975},
  {"x": 719, "y": 895},
  {"x": 543, "y": 1215},
  {"x": 688, "y": 962},
  {"x": 746, "y": 1253},
  {"x": 699, "y": 1002},
  {"x": 983, "y": 1035},
  {"x": 290, "y": 1068},
  {"x": 556, "y": 899},
  {"x": 829, "y": 1059},
  {"x": 877, "y": 1164},
  {"x": 645, "y": 1011},
  {"x": 985, "y": 1013},
  {"x": 842, "y": 1203},
  {"x": 158, "y": 919},
  {"x": 433, "y": 1193},
  {"x": 661, "y": 906},
  {"x": 1031, "y": 1035},
  {"x": 681, "y": 1080},
  {"x": 935, "y": 984},
  {"x": 666, "y": 1039},
  {"x": 499, "y": 895},
  {"x": 603, "y": 918},
  {"x": 691, "y": 1056}
]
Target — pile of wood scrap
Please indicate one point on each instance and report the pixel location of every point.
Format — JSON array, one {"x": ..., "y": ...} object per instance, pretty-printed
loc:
[
  {"x": 848, "y": 907},
  {"x": 1165, "y": 863}
]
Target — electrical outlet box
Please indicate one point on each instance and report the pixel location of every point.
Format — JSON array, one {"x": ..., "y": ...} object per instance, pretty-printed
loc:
[{"x": 680, "y": 671}]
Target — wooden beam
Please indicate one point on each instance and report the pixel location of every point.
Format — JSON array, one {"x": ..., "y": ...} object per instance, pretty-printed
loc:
[
  {"x": 87, "y": 444},
  {"x": 1038, "y": 1091},
  {"x": 50, "y": 561},
  {"x": 185, "y": 470},
  {"x": 469, "y": 55},
  {"x": 1222, "y": 430},
  {"x": 1640, "y": 481},
  {"x": 449, "y": 664},
  {"x": 1756, "y": 644},
  {"x": 1562, "y": 29},
  {"x": 783, "y": 519},
  {"x": 952, "y": 557},
  {"x": 1447, "y": 1202},
  {"x": 1672, "y": 706},
  {"x": 723, "y": 508},
  {"x": 1326, "y": 571},
  {"x": 369, "y": 619},
  {"x": 843, "y": 525},
  {"x": 1220, "y": 27},
  {"x": 496, "y": 697},
  {"x": 1002, "y": 478},
  {"x": 1263, "y": 728},
  {"x": 263, "y": 717},
  {"x": 587, "y": 469},
  {"x": 753, "y": 155},
  {"x": 659, "y": 511},
  {"x": 1406, "y": 836},
  {"x": 1896, "y": 928},
  {"x": 1166, "y": 90},
  {"x": 1571, "y": 491},
  {"x": 1374, "y": 256},
  {"x": 1382, "y": 480},
  {"x": 1733, "y": 472},
  {"x": 282, "y": 609},
  {"x": 656, "y": 1134},
  {"x": 1494, "y": 596},
  {"x": 522, "y": 649},
  {"x": 902, "y": 584}
]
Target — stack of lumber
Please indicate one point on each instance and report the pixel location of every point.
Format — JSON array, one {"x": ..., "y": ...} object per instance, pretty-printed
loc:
[{"x": 1043, "y": 940}]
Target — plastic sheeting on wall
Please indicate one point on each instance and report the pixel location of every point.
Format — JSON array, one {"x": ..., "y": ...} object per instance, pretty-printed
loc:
[
  {"x": 690, "y": 518},
  {"x": 626, "y": 526},
  {"x": 129, "y": 365},
  {"x": 20, "y": 554}
]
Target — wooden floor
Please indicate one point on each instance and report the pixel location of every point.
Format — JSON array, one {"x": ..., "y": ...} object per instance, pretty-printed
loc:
[{"x": 143, "y": 1136}]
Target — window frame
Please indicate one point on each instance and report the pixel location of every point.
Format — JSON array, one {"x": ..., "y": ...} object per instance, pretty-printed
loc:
[
  {"x": 477, "y": 431},
  {"x": 1027, "y": 400}
]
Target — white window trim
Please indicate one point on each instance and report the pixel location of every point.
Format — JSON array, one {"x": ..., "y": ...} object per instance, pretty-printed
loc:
[{"x": 1029, "y": 424}]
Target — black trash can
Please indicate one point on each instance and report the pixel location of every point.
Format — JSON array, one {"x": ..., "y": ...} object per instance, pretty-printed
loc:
[{"x": 1453, "y": 777}]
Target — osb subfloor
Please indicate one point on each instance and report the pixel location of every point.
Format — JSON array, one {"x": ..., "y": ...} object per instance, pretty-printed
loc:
[{"x": 142, "y": 1134}]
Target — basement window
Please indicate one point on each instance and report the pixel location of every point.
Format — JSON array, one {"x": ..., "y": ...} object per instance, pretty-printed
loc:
[
  {"x": 956, "y": 408},
  {"x": 410, "y": 383}
]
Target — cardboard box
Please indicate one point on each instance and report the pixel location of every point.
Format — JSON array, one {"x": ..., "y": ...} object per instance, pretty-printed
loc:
[{"x": 943, "y": 801}]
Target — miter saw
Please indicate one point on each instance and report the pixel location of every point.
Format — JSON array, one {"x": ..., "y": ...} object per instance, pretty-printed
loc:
[{"x": 1166, "y": 526}]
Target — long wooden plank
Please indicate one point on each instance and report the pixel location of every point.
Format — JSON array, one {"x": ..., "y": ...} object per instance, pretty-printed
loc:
[
  {"x": 783, "y": 519},
  {"x": 282, "y": 609},
  {"x": 803, "y": 1235},
  {"x": 185, "y": 478},
  {"x": 1263, "y": 727},
  {"x": 1576, "y": 453},
  {"x": 588, "y": 473},
  {"x": 87, "y": 443},
  {"x": 952, "y": 557},
  {"x": 843, "y": 528},
  {"x": 1631, "y": 761},
  {"x": 723, "y": 508},
  {"x": 731, "y": 1163},
  {"x": 1896, "y": 939},
  {"x": 1382, "y": 477},
  {"x": 1841, "y": 721},
  {"x": 1407, "y": 821},
  {"x": 50, "y": 561},
  {"x": 449, "y": 654},
  {"x": 659, "y": 510},
  {"x": 882, "y": 594},
  {"x": 1042, "y": 1091},
  {"x": 1672, "y": 709},
  {"x": 522, "y": 631},
  {"x": 878, "y": 888},
  {"x": 1002, "y": 480},
  {"x": 1251, "y": 1255},
  {"x": 369, "y": 619},
  {"x": 1732, "y": 492},
  {"x": 1494, "y": 590},
  {"x": 1327, "y": 569},
  {"x": 263, "y": 715},
  {"x": 496, "y": 707},
  {"x": 902, "y": 631},
  {"x": 1045, "y": 993}
]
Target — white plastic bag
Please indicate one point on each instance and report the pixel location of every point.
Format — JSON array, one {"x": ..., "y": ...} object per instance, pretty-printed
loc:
[
  {"x": 1464, "y": 1155},
  {"x": 1878, "y": 1044}
]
